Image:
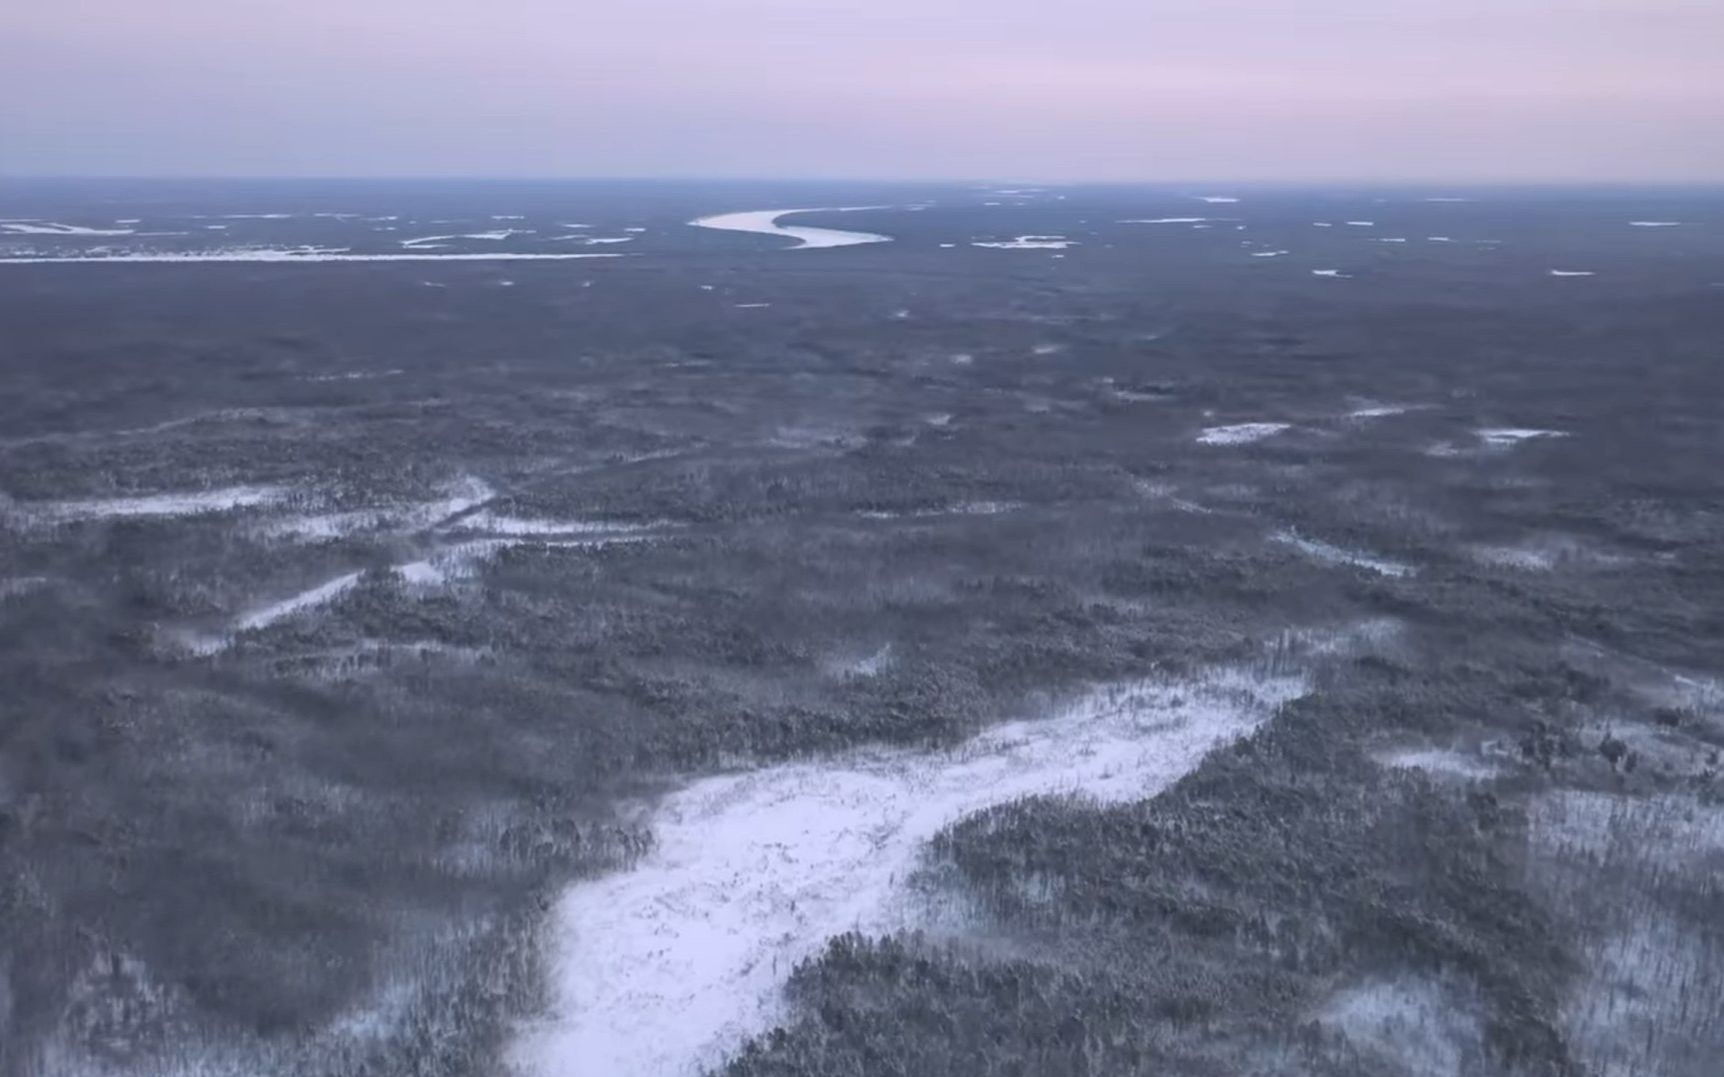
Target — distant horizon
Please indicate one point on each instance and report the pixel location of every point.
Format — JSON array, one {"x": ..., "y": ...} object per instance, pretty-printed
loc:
[{"x": 1209, "y": 185}]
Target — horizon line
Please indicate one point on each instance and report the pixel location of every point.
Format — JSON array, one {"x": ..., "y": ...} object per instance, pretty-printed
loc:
[{"x": 1205, "y": 182}]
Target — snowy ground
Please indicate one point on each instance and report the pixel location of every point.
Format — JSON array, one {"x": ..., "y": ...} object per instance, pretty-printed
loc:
[{"x": 665, "y": 969}]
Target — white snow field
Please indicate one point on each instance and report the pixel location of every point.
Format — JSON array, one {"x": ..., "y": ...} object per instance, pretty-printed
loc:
[
  {"x": 765, "y": 222},
  {"x": 665, "y": 969}
]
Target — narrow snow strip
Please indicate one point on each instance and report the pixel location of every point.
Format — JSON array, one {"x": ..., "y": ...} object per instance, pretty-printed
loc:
[
  {"x": 464, "y": 559},
  {"x": 172, "y": 504},
  {"x": 501, "y": 233},
  {"x": 515, "y": 525},
  {"x": 1654, "y": 224},
  {"x": 357, "y": 375},
  {"x": 663, "y": 970},
  {"x": 49, "y": 228},
  {"x": 291, "y": 255},
  {"x": 1240, "y": 433},
  {"x": 765, "y": 222},
  {"x": 459, "y": 497},
  {"x": 1166, "y": 220},
  {"x": 1328, "y": 273},
  {"x": 962, "y": 508},
  {"x": 1216, "y": 199},
  {"x": 1336, "y": 555},
  {"x": 1381, "y": 410},
  {"x": 1571, "y": 273},
  {"x": 1514, "y": 435},
  {"x": 322, "y": 594},
  {"x": 1031, "y": 243}
]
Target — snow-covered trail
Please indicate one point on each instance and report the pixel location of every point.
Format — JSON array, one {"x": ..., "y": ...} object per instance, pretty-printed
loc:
[
  {"x": 667, "y": 968},
  {"x": 765, "y": 222}
]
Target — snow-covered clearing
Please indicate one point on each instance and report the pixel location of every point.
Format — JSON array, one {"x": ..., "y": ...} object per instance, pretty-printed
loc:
[{"x": 664, "y": 969}]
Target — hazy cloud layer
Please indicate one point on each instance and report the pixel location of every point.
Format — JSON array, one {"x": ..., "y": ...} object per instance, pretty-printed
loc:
[{"x": 1087, "y": 89}]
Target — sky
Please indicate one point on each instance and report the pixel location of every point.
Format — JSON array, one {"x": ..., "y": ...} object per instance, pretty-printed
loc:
[{"x": 1037, "y": 90}]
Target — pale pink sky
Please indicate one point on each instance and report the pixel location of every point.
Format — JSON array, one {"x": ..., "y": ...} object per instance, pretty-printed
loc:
[{"x": 1269, "y": 90}]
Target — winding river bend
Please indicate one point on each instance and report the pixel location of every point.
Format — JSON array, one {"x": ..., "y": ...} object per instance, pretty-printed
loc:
[{"x": 765, "y": 222}]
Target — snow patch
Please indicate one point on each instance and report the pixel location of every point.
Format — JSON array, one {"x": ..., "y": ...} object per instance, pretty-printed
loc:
[
  {"x": 1030, "y": 243},
  {"x": 357, "y": 375},
  {"x": 667, "y": 968},
  {"x": 1503, "y": 437},
  {"x": 1438, "y": 761},
  {"x": 1240, "y": 433},
  {"x": 1380, "y": 410},
  {"x": 1412, "y": 1021}
]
